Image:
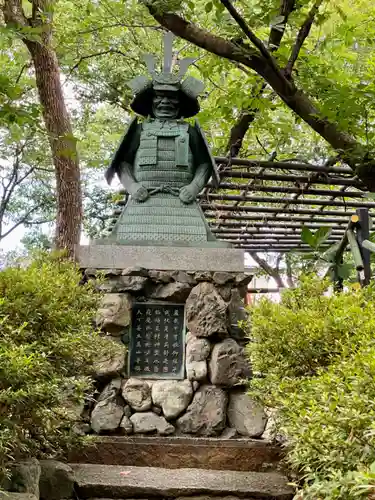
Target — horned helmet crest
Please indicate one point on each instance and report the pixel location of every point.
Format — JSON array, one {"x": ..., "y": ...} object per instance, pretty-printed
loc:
[{"x": 187, "y": 88}]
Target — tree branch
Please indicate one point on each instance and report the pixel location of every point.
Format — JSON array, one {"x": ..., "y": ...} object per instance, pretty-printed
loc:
[
  {"x": 276, "y": 34},
  {"x": 301, "y": 37},
  {"x": 247, "y": 116},
  {"x": 350, "y": 149},
  {"x": 96, "y": 54},
  {"x": 23, "y": 220},
  {"x": 268, "y": 269},
  {"x": 251, "y": 36}
]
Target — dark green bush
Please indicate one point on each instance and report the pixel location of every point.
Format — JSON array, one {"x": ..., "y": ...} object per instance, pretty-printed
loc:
[
  {"x": 47, "y": 345},
  {"x": 316, "y": 352}
]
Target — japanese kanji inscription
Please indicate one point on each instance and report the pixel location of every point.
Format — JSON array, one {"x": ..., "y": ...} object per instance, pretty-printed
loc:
[{"x": 157, "y": 341}]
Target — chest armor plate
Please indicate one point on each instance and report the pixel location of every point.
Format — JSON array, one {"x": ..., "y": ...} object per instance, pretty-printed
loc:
[{"x": 164, "y": 155}]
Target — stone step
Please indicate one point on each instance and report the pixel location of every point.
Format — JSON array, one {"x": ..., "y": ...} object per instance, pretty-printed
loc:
[
  {"x": 117, "y": 482},
  {"x": 175, "y": 453}
]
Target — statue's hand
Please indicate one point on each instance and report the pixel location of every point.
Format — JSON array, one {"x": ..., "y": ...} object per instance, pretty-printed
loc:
[
  {"x": 187, "y": 194},
  {"x": 138, "y": 192}
]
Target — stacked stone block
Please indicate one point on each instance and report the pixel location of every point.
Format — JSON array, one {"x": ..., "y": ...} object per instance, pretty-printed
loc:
[{"x": 212, "y": 399}]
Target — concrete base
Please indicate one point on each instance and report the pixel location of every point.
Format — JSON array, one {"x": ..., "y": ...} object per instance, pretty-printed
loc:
[{"x": 160, "y": 258}]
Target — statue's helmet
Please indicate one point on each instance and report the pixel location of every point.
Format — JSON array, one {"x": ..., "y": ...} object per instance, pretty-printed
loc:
[{"x": 187, "y": 89}]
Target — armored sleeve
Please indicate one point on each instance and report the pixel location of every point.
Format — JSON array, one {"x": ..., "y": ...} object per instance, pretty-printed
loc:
[
  {"x": 126, "y": 151},
  {"x": 198, "y": 148}
]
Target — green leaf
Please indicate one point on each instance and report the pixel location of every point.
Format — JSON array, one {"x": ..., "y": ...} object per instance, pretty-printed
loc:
[
  {"x": 345, "y": 270},
  {"x": 307, "y": 237},
  {"x": 208, "y": 7},
  {"x": 321, "y": 235}
]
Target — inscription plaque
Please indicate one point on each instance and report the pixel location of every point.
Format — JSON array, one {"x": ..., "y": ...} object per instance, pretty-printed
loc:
[{"x": 157, "y": 344}]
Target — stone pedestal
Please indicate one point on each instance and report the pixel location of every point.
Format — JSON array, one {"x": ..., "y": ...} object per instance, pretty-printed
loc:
[{"x": 209, "y": 399}]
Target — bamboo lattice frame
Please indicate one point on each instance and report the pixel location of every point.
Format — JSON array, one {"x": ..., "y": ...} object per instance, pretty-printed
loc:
[{"x": 262, "y": 206}]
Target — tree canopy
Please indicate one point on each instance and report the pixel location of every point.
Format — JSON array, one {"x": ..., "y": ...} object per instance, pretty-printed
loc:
[{"x": 283, "y": 79}]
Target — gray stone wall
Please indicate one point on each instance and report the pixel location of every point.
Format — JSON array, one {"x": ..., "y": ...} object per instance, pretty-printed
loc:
[{"x": 212, "y": 399}]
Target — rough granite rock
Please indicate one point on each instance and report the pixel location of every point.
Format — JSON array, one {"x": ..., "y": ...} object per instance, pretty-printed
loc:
[
  {"x": 135, "y": 271},
  {"x": 206, "y": 415},
  {"x": 229, "y": 433},
  {"x": 160, "y": 276},
  {"x": 172, "y": 292},
  {"x": 114, "y": 312},
  {"x": 109, "y": 410},
  {"x": 246, "y": 415},
  {"x": 106, "y": 416},
  {"x": 56, "y": 480},
  {"x": 197, "y": 351},
  {"x": 270, "y": 431},
  {"x": 196, "y": 370},
  {"x": 24, "y": 477},
  {"x": 132, "y": 284},
  {"x": 206, "y": 311},
  {"x": 243, "y": 279},
  {"x": 173, "y": 396},
  {"x": 144, "y": 423},
  {"x": 111, "y": 390},
  {"x": 227, "y": 363},
  {"x": 81, "y": 428},
  {"x": 126, "y": 426},
  {"x": 225, "y": 291},
  {"x": 110, "y": 272},
  {"x": 202, "y": 276},
  {"x": 183, "y": 277},
  {"x": 222, "y": 277},
  {"x": 137, "y": 393},
  {"x": 111, "y": 365}
]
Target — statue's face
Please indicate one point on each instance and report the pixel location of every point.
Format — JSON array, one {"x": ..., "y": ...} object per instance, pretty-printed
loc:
[{"x": 166, "y": 104}]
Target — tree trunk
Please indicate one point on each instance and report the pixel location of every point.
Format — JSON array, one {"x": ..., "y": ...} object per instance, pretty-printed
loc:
[
  {"x": 56, "y": 118},
  {"x": 63, "y": 147}
]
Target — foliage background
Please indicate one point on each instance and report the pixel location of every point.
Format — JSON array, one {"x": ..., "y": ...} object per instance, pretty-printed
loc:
[
  {"x": 47, "y": 346},
  {"x": 99, "y": 46},
  {"x": 316, "y": 351}
]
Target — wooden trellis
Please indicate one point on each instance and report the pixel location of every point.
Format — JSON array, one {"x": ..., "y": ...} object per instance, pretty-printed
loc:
[{"x": 262, "y": 206}]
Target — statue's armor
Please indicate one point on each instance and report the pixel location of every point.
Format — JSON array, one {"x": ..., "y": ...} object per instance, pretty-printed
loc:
[
  {"x": 163, "y": 164},
  {"x": 164, "y": 155}
]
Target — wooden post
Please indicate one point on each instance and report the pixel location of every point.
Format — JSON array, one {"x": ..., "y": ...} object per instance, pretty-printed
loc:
[{"x": 363, "y": 233}]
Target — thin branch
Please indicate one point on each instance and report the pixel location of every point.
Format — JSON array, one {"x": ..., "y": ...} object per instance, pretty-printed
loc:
[
  {"x": 23, "y": 220},
  {"x": 301, "y": 37},
  {"x": 115, "y": 25},
  {"x": 250, "y": 34},
  {"x": 210, "y": 79},
  {"x": 96, "y": 54},
  {"x": 25, "y": 66},
  {"x": 277, "y": 33}
]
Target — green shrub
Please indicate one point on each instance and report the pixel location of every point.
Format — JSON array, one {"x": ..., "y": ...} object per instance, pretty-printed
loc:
[
  {"x": 47, "y": 345},
  {"x": 316, "y": 353}
]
